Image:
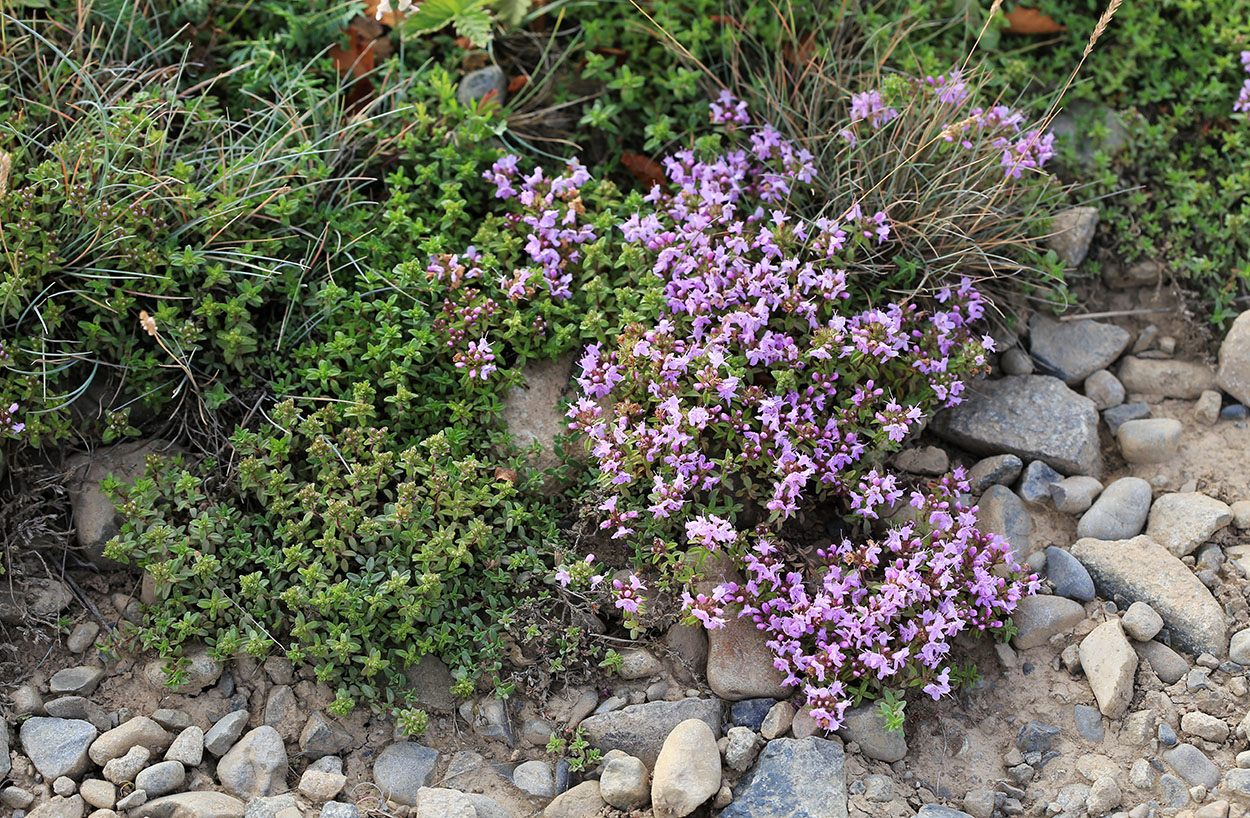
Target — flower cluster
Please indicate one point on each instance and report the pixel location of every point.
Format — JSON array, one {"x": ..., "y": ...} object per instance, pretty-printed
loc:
[
  {"x": 1243, "y": 101},
  {"x": 8, "y": 424},
  {"x": 880, "y": 614}
]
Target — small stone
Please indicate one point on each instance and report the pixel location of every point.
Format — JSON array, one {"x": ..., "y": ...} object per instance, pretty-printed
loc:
[
  {"x": 1070, "y": 658},
  {"x": 1071, "y": 232},
  {"x": 536, "y": 732},
  {"x": 139, "y": 731},
  {"x": 337, "y": 809},
  {"x": 750, "y": 712},
  {"x": 1141, "y": 775},
  {"x": 1036, "y": 482},
  {"x": 1016, "y": 361},
  {"x": 1202, "y": 725},
  {"x": 489, "y": 718},
  {"x": 256, "y": 765},
  {"x": 1141, "y": 622},
  {"x": 1069, "y": 577},
  {"x": 320, "y": 786},
  {"x": 1236, "y": 411},
  {"x": 927, "y": 460},
  {"x": 28, "y": 702},
  {"x": 1167, "y": 664},
  {"x": 188, "y": 747},
  {"x": 1243, "y": 759},
  {"x": 535, "y": 778},
  {"x": 1109, "y": 664},
  {"x": 1074, "y": 495},
  {"x": 1149, "y": 441},
  {"x": 1234, "y": 359},
  {"x": 136, "y": 799},
  {"x": 1002, "y": 512},
  {"x": 402, "y": 769},
  {"x": 82, "y": 637},
  {"x": 1036, "y": 737},
  {"x": 1166, "y": 378},
  {"x": 443, "y": 803},
  {"x": 199, "y": 672},
  {"x": 638, "y": 664},
  {"x": 222, "y": 735},
  {"x": 1104, "y": 796},
  {"x": 744, "y": 745},
  {"x": 687, "y": 771},
  {"x": 1237, "y": 782},
  {"x": 777, "y": 722},
  {"x": 724, "y": 797},
  {"x": 64, "y": 786},
  {"x": 879, "y": 788},
  {"x": 979, "y": 803},
  {"x": 99, "y": 794},
  {"x": 1183, "y": 521},
  {"x": 76, "y": 681},
  {"x": 1191, "y": 764},
  {"x": 1116, "y": 416},
  {"x": 625, "y": 783},
  {"x": 639, "y": 729},
  {"x": 793, "y": 777},
  {"x": 1207, "y": 408},
  {"x": 865, "y": 726},
  {"x": 60, "y": 807},
  {"x": 999, "y": 470},
  {"x": 322, "y": 736},
  {"x": 1119, "y": 513},
  {"x": 740, "y": 663},
  {"x": 581, "y": 801},
  {"x": 1104, "y": 389},
  {"x": 173, "y": 720},
  {"x": 123, "y": 770},
  {"x": 1089, "y": 722},
  {"x": 162, "y": 778},
  {"x": 282, "y": 711},
  {"x": 16, "y": 797},
  {"x": 204, "y": 804},
  {"x": 57, "y": 747},
  {"x": 1038, "y": 618},
  {"x": 1006, "y": 656},
  {"x": 1175, "y": 793},
  {"x": 1215, "y": 809},
  {"x": 1167, "y": 736},
  {"x": 489, "y": 83}
]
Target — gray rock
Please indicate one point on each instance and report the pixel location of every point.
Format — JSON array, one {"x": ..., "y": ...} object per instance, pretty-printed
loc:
[
  {"x": 1191, "y": 764},
  {"x": 1204, "y": 726},
  {"x": 1175, "y": 791},
  {"x": 337, "y": 809},
  {"x": 1104, "y": 389},
  {"x": 940, "y": 811},
  {"x": 430, "y": 681},
  {"x": 1239, "y": 647},
  {"x": 137, "y": 732},
  {"x": 794, "y": 778},
  {"x": 1118, "y": 415},
  {"x": 639, "y": 729},
  {"x": 1237, "y": 782},
  {"x": 1233, "y": 374},
  {"x": 282, "y": 711},
  {"x": 879, "y": 788},
  {"x": 1036, "y": 737},
  {"x": 77, "y": 707},
  {"x": 1183, "y": 521},
  {"x": 123, "y": 770},
  {"x": 222, "y": 735},
  {"x": 1071, "y": 232},
  {"x": 173, "y": 720},
  {"x": 1034, "y": 417},
  {"x": 269, "y": 806},
  {"x": 865, "y": 726},
  {"x": 536, "y": 732},
  {"x": 1108, "y": 136},
  {"x": 1074, "y": 495},
  {"x": 687, "y": 771},
  {"x": 999, "y": 470},
  {"x": 777, "y": 722},
  {"x": 1074, "y": 350},
  {"x": 204, "y": 804},
  {"x": 637, "y": 663},
  {"x": 481, "y": 84},
  {"x": 750, "y": 712},
  {"x": 82, "y": 637},
  {"x": 60, "y": 807},
  {"x": 76, "y": 681},
  {"x": 1069, "y": 577},
  {"x": 28, "y": 702},
  {"x": 200, "y": 672},
  {"x": 1141, "y": 622},
  {"x": 1016, "y": 361},
  {"x": 1119, "y": 513},
  {"x": 740, "y": 663},
  {"x": 16, "y": 797},
  {"x": 404, "y": 768},
  {"x": 1002, "y": 512},
  {"x": 1145, "y": 273},
  {"x": 97, "y": 793},
  {"x": 162, "y": 778},
  {"x": 1142, "y": 570},
  {"x": 57, "y": 747},
  {"x": 625, "y": 783},
  {"x": 1154, "y": 440},
  {"x": 188, "y": 748},
  {"x": 136, "y": 799},
  {"x": 744, "y": 745},
  {"x": 256, "y": 765},
  {"x": 1207, "y": 408},
  {"x": 1089, "y": 722},
  {"x": 1236, "y": 411},
  {"x": 535, "y": 778},
  {"x": 1167, "y": 378},
  {"x": 1109, "y": 664},
  {"x": 1036, "y": 482},
  {"x": 438, "y": 802},
  {"x": 323, "y": 737},
  {"x": 928, "y": 460},
  {"x": 1038, "y": 618},
  {"x": 489, "y": 718}
]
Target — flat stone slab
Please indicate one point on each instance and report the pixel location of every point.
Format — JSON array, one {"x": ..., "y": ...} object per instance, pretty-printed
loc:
[
  {"x": 1035, "y": 417},
  {"x": 793, "y": 778},
  {"x": 1141, "y": 570},
  {"x": 640, "y": 729},
  {"x": 1074, "y": 350}
]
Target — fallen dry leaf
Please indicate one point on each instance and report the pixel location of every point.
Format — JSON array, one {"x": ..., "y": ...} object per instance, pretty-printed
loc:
[
  {"x": 1023, "y": 20},
  {"x": 359, "y": 56},
  {"x": 518, "y": 82},
  {"x": 645, "y": 170}
]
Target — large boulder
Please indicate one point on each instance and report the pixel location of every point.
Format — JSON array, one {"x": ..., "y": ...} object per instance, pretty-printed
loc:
[{"x": 1035, "y": 417}]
